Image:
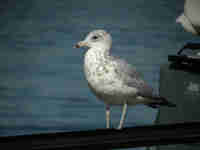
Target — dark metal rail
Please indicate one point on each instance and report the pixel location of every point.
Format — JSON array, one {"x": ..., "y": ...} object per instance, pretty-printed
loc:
[{"x": 181, "y": 133}]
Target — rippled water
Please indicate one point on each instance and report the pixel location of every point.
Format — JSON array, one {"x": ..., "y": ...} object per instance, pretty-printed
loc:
[{"x": 42, "y": 86}]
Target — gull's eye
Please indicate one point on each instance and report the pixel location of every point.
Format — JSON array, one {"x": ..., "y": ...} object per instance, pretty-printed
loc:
[{"x": 95, "y": 37}]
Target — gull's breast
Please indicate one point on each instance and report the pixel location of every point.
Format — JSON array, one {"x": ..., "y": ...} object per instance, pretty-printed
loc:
[
  {"x": 98, "y": 70},
  {"x": 103, "y": 81}
]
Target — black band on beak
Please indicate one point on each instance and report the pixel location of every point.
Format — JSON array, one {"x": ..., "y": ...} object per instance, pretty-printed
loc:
[{"x": 77, "y": 46}]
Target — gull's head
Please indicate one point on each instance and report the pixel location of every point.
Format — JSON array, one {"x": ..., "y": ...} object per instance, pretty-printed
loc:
[
  {"x": 187, "y": 25},
  {"x": 96, "y": 39}
]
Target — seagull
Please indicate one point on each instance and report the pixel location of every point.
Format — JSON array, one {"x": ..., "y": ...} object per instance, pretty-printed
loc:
[
  {"x": 112, "y": 79},
  {"x": 190, "y": 21},
  {"x": 187, "y": 24}
]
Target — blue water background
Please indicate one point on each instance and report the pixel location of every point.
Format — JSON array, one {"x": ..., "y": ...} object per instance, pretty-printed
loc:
[{"x": 42, "y": 85}]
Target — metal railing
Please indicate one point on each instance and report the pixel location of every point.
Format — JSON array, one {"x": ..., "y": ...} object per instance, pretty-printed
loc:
[{"x": 180, "y": 133}]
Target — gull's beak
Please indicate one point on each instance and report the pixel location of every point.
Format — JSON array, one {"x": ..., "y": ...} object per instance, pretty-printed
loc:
[
  {"x": 81, "y": 44},
  {"x": 179, "y": 19}
]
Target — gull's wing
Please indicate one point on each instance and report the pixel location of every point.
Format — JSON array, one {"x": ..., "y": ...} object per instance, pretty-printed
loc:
[{"x": 131, "y": 77}]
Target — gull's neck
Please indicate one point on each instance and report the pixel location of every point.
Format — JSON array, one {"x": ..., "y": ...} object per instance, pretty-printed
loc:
[{"x": 100, "y": 51}]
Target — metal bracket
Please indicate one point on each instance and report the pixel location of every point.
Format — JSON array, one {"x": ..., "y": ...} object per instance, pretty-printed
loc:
[{"x": 186, "y": 62}]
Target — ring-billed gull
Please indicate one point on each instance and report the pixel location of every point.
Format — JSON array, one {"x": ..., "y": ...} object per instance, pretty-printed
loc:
[
  {"x": 190, "y": 19},
  {"x": 112, "y": 79}
]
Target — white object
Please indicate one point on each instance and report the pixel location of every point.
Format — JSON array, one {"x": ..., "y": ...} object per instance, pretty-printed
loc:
[
  {"x": 190, "y": 18},
  {"x": 112, "y": 79}
]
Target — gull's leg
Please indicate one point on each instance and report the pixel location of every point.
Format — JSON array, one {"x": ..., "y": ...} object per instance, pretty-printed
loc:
[
  {"x": 123, "y": 116},
  {"x": 107, "y": 116}
]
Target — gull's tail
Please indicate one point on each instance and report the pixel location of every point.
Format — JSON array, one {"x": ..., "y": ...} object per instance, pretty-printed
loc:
[{"x": 160, "y": 101}]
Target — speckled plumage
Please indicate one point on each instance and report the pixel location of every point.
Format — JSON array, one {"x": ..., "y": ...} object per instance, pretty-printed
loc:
[
  {"x": 112, "y": 79},
  {"x": 109, "y": 80}
]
